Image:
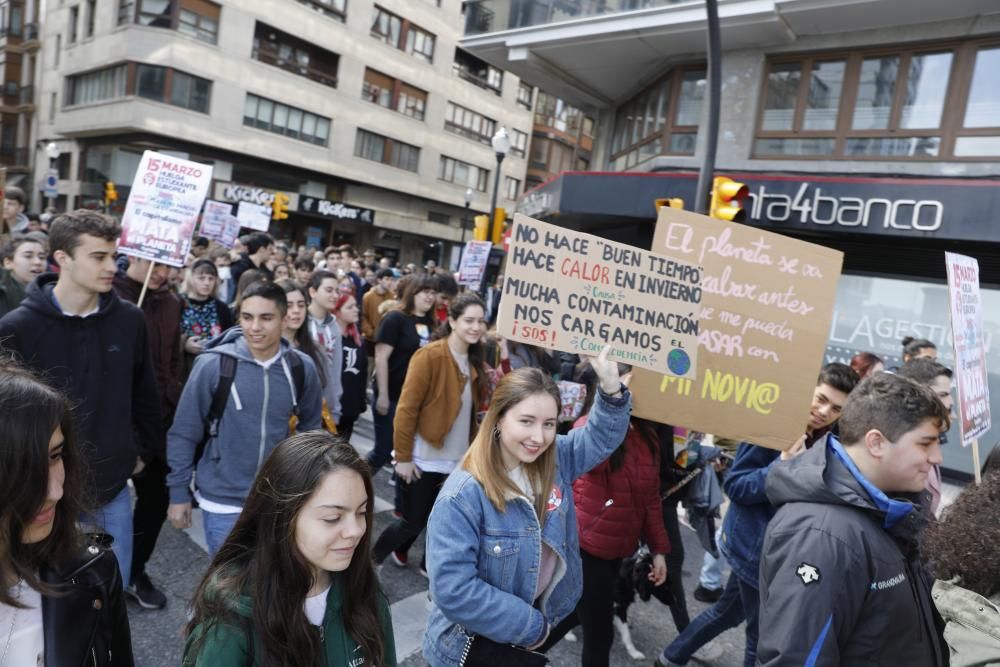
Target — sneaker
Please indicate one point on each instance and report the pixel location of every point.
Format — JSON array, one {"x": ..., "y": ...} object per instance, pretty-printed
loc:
[
  {"x": 663, "y": 662},
  {"x": 710, "y": 652},
  {"x": 392, "y": 481},
  {"x": 399, "y": 558},
  {"x": 142, "y": 591},
  {"x": 710, "y": 595}
]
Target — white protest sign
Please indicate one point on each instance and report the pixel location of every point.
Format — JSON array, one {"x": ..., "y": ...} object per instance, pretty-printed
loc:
[
  {"x": 163, "y": 207},
  {"x": 474, "y": 260},
  {"x": 970, "y": 349},
  {"x": 253, "y": 215},
  {"x": 575, "y": 292},
  {"x": 219, "y": 224}
]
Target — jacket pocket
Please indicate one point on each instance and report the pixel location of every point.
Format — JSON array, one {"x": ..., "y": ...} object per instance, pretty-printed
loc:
[{"x": 498, "y": 560}]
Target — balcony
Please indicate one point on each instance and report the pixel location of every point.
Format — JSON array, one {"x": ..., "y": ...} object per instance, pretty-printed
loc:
[
  {"x": 31, "y": 32},
  {"x": 281, "y": 50},
  {"x": 477, "y": 72},
  {"x": 16, "y": 97},
  {"x": 15, "y": 159}
]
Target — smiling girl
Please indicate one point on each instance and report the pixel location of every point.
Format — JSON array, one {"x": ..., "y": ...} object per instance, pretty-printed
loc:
[{"x": 293, "y": 585}]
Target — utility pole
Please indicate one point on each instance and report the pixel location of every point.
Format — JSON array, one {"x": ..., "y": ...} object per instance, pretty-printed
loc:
[{"x": 714, "y": 92}]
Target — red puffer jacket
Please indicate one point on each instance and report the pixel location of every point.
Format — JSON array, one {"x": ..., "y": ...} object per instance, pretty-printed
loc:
[{"x": 615, "y": 509}]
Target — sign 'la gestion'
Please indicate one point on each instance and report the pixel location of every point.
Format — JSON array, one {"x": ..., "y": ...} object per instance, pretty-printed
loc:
[{"x": 576, "y": 292}]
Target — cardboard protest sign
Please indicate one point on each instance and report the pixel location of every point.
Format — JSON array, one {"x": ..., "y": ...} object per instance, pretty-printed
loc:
[
  {"x": 253, "y": 216},
  {"x": 162, "y": 209},
  {"x": 571, "y": 291},
  {"x": 970, "y": 348},
  {"x": 766, "y": 308},
  {"x": 219, "y": 224},
  {"x": 474, "y": 259}
]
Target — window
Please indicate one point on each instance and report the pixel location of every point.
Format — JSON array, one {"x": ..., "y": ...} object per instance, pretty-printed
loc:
[
  {"x": 105, "y": 84},
  {"x": 173, "y": 87},
  {"x": 197, "y": 18},
  {"x": 74, "y": 19},
  {"x": 377, "y": 148},
  {"x": 524, "y": 92},
  {"x": 126, "y": 11},
  {"x": 393, "y": 94},
  {"x": 513, "y": 187},
  {"x": 463, "y": 174},
  {"x": 878, "y": 105},
  {"x": 294, "y": 55},
  {"x": 556, "y": 114},
  {"x": 151, "y": 82},
  {"x": 58, "y": 50},
  {"x": 278, "y": 118},
  {"x": 662, "y": 119},
  {"x": 335, "y": 9},
  {"x": 403, "y": 35},
  {"x": 518, "y": 142},
  {"x": 90, "y": 18},
  {"x": 440, "y": 218},
  {"x": 477, "y": 71},
  {"x": 469, "y": 124}
]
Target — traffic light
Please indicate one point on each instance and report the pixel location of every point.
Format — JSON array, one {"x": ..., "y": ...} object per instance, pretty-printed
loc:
[
  {"x": 499, "y": 220},
  {"x": 672, "y": 202},
  {"x": 280, "y": 206},
  {"x": 110, "y": 194},
  {"x": 727, "y": 199},
  {"x": 481, "y": 230}
]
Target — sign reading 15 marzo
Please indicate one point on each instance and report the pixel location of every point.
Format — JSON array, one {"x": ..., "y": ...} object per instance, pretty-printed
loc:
[{"x": 574, "y": 292}]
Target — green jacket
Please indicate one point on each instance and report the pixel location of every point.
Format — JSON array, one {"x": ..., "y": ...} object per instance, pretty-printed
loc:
[
  {"x": 11, "y": 292},
  {"x": 226, "y": 646},
  {"x": 972, "y": 625}
]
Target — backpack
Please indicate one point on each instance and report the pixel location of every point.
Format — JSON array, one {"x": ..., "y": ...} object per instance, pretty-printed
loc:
[{"x": 227, "y": 374}]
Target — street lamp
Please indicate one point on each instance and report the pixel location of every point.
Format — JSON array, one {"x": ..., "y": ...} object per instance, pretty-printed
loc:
[
  {"x": 52, "y": 151},
  {"x": 465, "y": 220},
  {"x": 501, "y": 145}
]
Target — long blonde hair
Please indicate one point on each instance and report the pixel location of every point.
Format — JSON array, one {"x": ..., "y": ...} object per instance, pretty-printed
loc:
[{"x": 484, "y": 460}]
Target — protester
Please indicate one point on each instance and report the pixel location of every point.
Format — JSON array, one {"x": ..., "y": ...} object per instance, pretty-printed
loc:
[
  {"x": 447, "y": 289},
  {"x": 303, "y": 270},
  {"x": 23, "y": 261},
  {"x": 400, "y": 334},
  {"x": 259, "y": 247},
  {"x": 297, "y": 335},
  {"x": 199, "y": 247},
  {"x": 14, "y": 219},
  {"x": 866, "y": 364},
  {"x": 962, "y": 552},
  {"x": 744, "y": 524},
  {"x": 937, "y": 378},
  {"x": 915, "y": 348},
  {"x": 94, "y": 347},
  {"x": 162, "y": 311},
  {"x": 323, "y": 295},
  {"x": 248, "y": 278},
  {"x": 225, "y": 291},
  {"x": 617, "y": 505},
  {"x": 281, "y": 272},
  {"x": 228, "y": 449},
  {"x": 840, "y": 578},
  {"x": 292, "y": 584},
  {"x": 435, "y": 421},
  {"x": 204, "y": 316},
  {"x": 60, "y": 592},
  {"x": 370, "y": 315},
  {"x": 354, "y": 369},
  {"x": 523, "y": 355},
  {"x": 502, "y": 548}
]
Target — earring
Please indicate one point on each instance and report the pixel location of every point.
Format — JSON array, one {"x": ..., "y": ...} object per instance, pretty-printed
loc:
[{"x": 496, "y": 432}]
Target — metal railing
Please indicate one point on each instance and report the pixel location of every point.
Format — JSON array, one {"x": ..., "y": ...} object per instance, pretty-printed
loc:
[{"x": 270, "y": 56}]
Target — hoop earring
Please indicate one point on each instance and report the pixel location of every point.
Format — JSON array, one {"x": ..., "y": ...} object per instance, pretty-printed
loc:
[{"x": 496, "y": 433}]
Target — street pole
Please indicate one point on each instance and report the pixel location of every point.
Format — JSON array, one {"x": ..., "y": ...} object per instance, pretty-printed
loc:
[
  {"x": 465, "y": 222},
  {"x": 714, "y": 92},
  {"x": 501, "y": 144}
]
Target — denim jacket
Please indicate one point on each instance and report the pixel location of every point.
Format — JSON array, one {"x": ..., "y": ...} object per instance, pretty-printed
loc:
[
  {"x": 484, "y": 564},
  {"x": 749, "y": 512}
]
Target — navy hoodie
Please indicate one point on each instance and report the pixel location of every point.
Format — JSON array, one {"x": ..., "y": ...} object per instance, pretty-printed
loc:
[{"x": 103, "y": 364}]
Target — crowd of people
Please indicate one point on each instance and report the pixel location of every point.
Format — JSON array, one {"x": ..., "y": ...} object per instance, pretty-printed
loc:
[{"x": 132, "y": 392}]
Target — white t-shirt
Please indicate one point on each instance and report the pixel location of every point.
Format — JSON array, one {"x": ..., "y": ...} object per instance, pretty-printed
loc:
[
  {"x": 316, "y": 607},
  {"x": 27, "y": 641}
]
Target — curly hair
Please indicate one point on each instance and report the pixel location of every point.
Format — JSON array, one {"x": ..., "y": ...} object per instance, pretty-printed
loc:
[{"x": 964, "y": 543}]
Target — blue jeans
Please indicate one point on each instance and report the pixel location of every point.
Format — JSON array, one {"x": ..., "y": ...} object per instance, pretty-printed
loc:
[
  {"x": 217, "y": 529},
  {"x": 382, "y": 452},
  {"x": 115, "y": 519},
  {"x": 709, "y": 624},
  {"x": 751, "y": 607},
  {"x": 711, "y": 567}
]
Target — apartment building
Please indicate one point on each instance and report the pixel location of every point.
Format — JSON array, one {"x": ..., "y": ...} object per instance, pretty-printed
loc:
[
  {"x": 366, "y": 112},
  {"x": 19, "y": 48}
]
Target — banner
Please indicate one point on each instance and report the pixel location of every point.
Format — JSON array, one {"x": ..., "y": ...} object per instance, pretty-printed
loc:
[
  {"x": 574, "y": 292},
  {"x": 253, "y": 216},
  {"x": 474, "y": 258},
  {"x": 219, "y": 224},
  {"x": 970, "y": 350},
  {"x": 162, "y": 209},
  {"x": 765, "y": 314}
]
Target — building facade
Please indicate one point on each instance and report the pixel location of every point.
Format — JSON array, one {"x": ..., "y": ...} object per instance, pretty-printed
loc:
[
  {"x": 562, "y": 139},
  {"x": 366, "y": 113},
  {"x": 872, "y": 127},
  {"x": 19, "y": 49}
]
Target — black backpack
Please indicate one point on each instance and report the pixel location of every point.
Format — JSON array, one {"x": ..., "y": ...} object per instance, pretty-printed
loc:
[{"x": 227, "y": 374}]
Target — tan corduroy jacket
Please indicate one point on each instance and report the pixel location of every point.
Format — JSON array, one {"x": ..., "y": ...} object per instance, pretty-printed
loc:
[{"x": 370, "y": 317}]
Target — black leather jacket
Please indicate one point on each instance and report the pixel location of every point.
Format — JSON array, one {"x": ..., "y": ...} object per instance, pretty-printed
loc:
[{"x": 87, "y": 624}]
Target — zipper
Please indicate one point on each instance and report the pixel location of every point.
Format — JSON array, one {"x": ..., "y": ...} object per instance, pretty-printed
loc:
[
  {"x": 93, "y": 655},
  {"x": 466, "y": 649},
  {"x": 263, "y": 421},
  {"x": 607, "y": 503}
]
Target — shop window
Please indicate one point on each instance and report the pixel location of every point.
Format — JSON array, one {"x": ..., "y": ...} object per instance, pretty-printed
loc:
[
  {"x": 883, "y": 105},
  {"x": 462, "y": 173},
  {"x": 469, "y": 124},
  {"x": 271, "y": 116},
  {"x": 197, "y": 18},
  {"x": 402, "y": 34},
  {"x": 277, "y": 48},
  {"x": 393, "y": 94},
  {"x": 335, "y": 9},
  {"x": 378, "y": 148}
]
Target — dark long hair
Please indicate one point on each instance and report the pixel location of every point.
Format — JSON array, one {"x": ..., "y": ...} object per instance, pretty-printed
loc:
[
  {"x": 30, "y": 411},
  {"x": 415, "y": 286},
  {"x": 303, "y": 339},
  {"x": 260, "y": 559},
  {"x": 477, "y": 354}
]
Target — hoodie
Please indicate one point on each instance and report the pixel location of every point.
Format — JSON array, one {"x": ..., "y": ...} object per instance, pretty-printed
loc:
[
  {"x": 255, "y": 420},
  {"x": 12, "y": 292},
  {"x": 103, "y": 363},
  {"x": 841, "y": 582},
  {"x": 328, "y": 337},
  {"x": 226, "y": 645}
]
